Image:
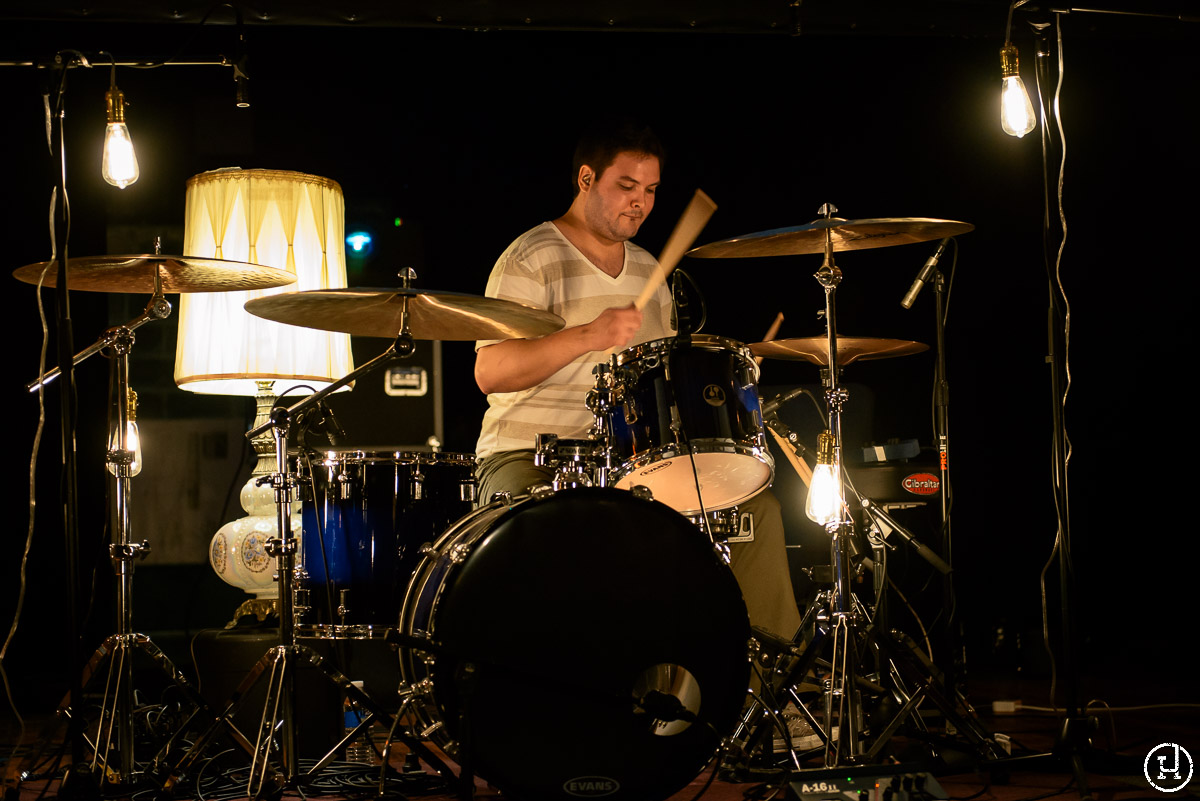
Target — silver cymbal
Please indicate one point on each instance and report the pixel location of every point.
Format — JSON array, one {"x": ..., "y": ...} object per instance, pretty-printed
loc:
[
  {"x": 136, "y": 274},
  {"x": 844, "y": 235},
  {"x": 432, "y": 314}
]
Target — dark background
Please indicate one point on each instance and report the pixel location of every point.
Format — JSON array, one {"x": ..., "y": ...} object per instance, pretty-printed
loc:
[{"x": 460, "y": 119}]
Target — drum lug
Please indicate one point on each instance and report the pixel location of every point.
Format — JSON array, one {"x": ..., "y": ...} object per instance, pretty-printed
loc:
[
  {"x": 541, "y": 492},
  {"x": 427, "y": 550},
  {"x": 459, "y": 553},
  {"x": 468, "y": 491},
  {"x": 504, "y": 496},
  {"x": 301, "y": 602},
  {"x": 641, "y": 492}
]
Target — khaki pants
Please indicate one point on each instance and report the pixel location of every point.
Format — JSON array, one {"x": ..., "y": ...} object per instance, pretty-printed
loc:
[{"x": 760, "y": 566}]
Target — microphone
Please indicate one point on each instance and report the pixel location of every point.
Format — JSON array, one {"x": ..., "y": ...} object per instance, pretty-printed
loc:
[
  {"x": 780, "y": 399},
  {"x": 924, "y": 276},
  {"x": 333, "y": 429}
]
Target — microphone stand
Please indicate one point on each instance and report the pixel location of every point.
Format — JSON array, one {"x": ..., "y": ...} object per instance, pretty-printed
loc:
[{"x": 70, "y": 497}]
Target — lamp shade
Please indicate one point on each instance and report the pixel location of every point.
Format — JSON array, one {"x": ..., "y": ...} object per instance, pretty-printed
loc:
[{"x": 276, "y": 218}]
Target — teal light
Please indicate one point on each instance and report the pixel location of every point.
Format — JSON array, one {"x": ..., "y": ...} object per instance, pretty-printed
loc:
[{"x": 359, "y": 242}]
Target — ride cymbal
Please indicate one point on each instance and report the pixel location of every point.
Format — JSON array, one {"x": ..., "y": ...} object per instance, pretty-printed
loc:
[
  {"x": 843, "y": 234},
  {"x": 136, "y": 274},
  {"x": 849, "y": 349},
  {"x": 432, "y": 314}
]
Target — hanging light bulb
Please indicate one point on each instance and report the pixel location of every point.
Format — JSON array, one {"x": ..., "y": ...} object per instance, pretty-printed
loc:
[
  {"x": 120, "y": 166},
  {"x": 133, "y": 440},
  {"x": 824, "y": 502},
  {"x": 1016, "y": 112}
]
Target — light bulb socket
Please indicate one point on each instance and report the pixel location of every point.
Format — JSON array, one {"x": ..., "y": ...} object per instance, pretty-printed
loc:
[
  {"x": 115, "y": 99},
  {"x": 1009, "y": 61},
  {"x": 825, "y": 448}
]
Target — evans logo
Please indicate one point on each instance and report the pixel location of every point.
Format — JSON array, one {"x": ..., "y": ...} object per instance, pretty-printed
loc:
[{"x": 591, "y": 786}]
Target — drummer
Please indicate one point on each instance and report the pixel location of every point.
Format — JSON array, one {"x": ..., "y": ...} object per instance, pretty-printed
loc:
[{"x": 583, "y": 267}]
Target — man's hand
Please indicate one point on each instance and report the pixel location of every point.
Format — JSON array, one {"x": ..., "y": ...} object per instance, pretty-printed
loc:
[
  {"x": 614, "y": 328},
  {"x": 517, "y": 364}
]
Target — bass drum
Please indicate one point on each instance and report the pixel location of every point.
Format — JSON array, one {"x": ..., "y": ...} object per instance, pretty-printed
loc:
[{"x": 580, "y": 643}]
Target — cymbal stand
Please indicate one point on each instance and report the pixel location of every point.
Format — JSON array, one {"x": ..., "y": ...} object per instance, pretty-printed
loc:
[
  {"x": 283, "y": 660},
  {"x": 116, "y": 721},
  {"x": 840, "y": 622}
]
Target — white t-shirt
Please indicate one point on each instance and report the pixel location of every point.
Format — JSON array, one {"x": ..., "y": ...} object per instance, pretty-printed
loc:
[{"x": 544, "y": 270}]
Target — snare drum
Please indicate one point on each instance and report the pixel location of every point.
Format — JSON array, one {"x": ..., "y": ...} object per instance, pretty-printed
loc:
[
  {"x": 712, "y": 398},
  {"x": 364, "y": 518},
  {"x": 579, "y": 626}
]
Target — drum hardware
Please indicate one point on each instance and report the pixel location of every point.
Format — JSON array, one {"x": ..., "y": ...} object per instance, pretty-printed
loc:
[
  {"x": 157, "y": 274},
  {"x": 277, "y": 732},
  {"x": 575, "y": 462},
  {"x": 837, "y": 618}
]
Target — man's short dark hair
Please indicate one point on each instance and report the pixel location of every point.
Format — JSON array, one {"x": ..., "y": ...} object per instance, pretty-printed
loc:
[{"x": 600, "y": 145}]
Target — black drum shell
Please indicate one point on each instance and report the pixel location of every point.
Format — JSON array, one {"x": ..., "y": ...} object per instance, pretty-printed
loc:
[{"x": 543, "y": 614}]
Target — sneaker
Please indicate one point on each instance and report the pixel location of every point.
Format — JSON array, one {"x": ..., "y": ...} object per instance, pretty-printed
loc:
[{"x": 800, "y": 733}]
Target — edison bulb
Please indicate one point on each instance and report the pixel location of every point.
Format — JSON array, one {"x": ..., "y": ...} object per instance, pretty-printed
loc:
[
  {"x": 133, "y": 443},
  {"x": 1016, "y": 111},
  {"x": 824, "y": 502},
  {"x": 120, "y": 166}
]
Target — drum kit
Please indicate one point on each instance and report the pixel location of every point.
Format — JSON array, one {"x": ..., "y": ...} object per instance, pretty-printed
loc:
[{"x": 580, "y": 639}]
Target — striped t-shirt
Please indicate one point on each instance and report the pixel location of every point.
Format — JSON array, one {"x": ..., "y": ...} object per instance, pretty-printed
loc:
[{"x": 544, "y": 270}]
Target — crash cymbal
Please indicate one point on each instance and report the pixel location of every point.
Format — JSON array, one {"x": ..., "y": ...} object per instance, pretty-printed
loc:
[
  {"x": 136, "y": 274},
  {"x": 432, "y": 314},
  {"x": 850, "y": 349},
  {"x": 844, "y": 234}
]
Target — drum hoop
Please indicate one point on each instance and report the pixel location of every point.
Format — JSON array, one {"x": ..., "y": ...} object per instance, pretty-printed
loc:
[
  {"x": 702, "y": 341},
  {"x": 699, "y": 447},
  {"x": 354, "y": 456}
]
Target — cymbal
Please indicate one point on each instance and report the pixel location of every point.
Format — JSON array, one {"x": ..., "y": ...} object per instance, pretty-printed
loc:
[
  {"x": 136, "y": 274},
  {"x": 849, "y": 349},
  {"x": 844, "y": 234},
  {"x": 432, "y": 314}
]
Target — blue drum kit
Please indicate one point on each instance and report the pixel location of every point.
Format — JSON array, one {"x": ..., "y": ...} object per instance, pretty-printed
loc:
[{"x": 585, "y": 638}]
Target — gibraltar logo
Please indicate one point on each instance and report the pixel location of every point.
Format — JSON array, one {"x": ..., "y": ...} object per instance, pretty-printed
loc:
[{"x": 922, "y": 484}]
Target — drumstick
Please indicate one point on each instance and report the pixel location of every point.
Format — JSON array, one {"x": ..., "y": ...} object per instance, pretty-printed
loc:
[
  {"x": 771, "y": 332},
  {"x": 789, "y": 450},
  {"x": 693, "y": 220}
]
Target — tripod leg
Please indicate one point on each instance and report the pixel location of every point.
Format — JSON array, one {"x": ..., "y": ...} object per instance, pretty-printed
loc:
[
  {"x": 224, "y": 719},
  {"x": 375, "y": 713},
  {"x": 911, "y": 665}
]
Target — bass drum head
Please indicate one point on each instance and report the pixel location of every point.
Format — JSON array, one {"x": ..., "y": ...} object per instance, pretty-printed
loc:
[{"x": 577, "y": 638}]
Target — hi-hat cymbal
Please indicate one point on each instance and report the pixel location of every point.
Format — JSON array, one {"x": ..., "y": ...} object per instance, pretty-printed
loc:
[
  {"x": 432, "y": 314},
  {"x": 844, "y": 235},
  {"x": 136, "y": 274},
  {"x": 849, "y": 349}
]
